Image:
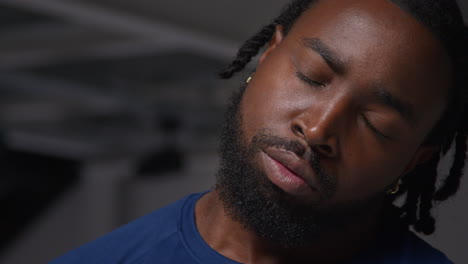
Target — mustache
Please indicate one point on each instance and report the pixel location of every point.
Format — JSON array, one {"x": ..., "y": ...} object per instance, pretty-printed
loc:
[{"x": 264, "y": 140}]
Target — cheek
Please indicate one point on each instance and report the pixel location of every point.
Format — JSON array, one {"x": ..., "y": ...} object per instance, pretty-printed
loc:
[
  {"x": 366, "y": 171},
  {"x": 255, "y": 110},
  {"x": 270, "y": 99}
]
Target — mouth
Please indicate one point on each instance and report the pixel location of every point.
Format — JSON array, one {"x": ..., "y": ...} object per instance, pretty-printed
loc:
[{"x": 289, "y": 172}]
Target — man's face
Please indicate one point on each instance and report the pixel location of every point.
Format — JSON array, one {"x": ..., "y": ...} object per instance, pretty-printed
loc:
[{"x": 335, "y": 113}]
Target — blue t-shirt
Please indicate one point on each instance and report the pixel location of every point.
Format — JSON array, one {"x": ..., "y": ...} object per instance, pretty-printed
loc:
[{"x": 170, "y": 236}]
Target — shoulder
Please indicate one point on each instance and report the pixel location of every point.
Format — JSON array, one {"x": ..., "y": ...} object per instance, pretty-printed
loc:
[
  {"x": 416, "y": 250},
  {"x": 132, "y": 241}
]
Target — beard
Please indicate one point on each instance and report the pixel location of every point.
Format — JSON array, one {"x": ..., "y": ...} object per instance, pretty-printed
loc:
[{"x": 251, "y": 199}]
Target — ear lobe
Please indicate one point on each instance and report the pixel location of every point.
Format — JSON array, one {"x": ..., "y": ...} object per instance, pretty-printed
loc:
[
  {"x": 422, "y": 155},
  {"x": 274, "y": 42}
]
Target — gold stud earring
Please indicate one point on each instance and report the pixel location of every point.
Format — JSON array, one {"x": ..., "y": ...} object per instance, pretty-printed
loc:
[{"x": 249, "y": 79}]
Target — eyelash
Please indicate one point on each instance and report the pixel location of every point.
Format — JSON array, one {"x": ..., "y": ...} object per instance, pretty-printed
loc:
[
  {"x": 307, "y": 80},
  {"x": 311, "y": 82},
  {"x": 375, "y": 130}
]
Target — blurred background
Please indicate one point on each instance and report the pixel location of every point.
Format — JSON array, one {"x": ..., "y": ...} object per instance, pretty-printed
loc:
[{"x": 111, "y": 109}]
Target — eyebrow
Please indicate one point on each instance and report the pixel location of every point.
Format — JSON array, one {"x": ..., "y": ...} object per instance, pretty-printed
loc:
[
  {"x": 405, "y": 109},
  {"x": 330, "y": 57}
]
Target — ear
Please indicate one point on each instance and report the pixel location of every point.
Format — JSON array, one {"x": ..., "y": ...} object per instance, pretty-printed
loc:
[
  {"x": 274, "y": 42},
  {"x": 422, "y": 155}
]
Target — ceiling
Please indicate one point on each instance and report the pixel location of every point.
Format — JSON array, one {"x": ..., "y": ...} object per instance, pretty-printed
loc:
[{"x": 92, "y": 78}]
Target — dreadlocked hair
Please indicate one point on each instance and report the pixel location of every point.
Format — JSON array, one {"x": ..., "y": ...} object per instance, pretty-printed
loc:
[{"x": 444, "y": 19}]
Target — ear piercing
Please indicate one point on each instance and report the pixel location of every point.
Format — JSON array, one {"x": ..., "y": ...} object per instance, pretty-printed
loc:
[{"x": 395, "y": 188}]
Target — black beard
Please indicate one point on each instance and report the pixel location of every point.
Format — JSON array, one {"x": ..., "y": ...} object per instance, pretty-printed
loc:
[{"x": 251, "y": 199}]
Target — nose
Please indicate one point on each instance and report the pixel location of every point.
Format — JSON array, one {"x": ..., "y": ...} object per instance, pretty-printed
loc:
[{"x": 319, "y": 130}]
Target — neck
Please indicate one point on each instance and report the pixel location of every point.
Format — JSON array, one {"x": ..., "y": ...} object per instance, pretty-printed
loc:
[{"x": 232, "y": 240}]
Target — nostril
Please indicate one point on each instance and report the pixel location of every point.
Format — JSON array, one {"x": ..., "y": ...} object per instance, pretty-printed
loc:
[{"x": 298, "y": 130}]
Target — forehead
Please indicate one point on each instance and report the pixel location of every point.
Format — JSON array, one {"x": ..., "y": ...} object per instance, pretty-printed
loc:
[{"x": 381, "y": 43}]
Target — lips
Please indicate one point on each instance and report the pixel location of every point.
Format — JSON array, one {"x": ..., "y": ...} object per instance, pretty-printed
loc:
[{"x": 289, "y": 172}]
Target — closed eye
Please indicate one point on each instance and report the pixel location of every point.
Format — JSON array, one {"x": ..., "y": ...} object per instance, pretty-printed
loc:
[
  {"x": 308, "y": 81},
  {"x": 375, "y": 130}
]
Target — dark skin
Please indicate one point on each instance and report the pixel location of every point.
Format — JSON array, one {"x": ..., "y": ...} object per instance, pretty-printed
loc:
[{"x": 333, "y": 107}]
